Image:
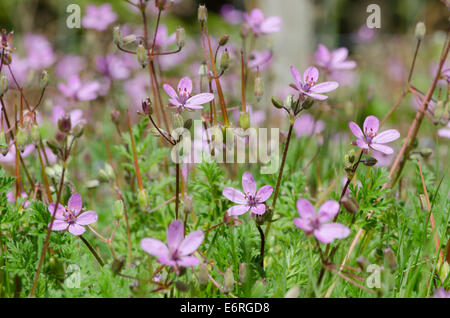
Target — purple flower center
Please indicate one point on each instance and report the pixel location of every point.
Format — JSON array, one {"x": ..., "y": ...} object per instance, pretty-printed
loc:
[
  {"x": 370, "y": 134},
  {"x": 308, "y": 84},
  {"x": 251, "y": 200},
  {"x": 184, "y": 96},
  {"x": 70, "y": 216}
]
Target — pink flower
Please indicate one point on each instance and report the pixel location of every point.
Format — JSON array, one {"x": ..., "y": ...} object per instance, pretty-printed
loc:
[
  {"x": 76, "y": 115},
  {"x": 305, "y": 125},
  {"x": 79, "y": 91},
  {"x": 371, "y": 138},
  {"x": 444, "y": 132},
  {"x": 163, "y": 39},
  {"x": 70, "y": 218},
  {"x": 441, "y": 293},
  {"x": 98, "y": 17},
  {"x": 12, "y": 198},
  {"x": 334, "y": 60},
  {"x": 260, "y": 59},
  {"x": 308, "y": 86},
  {"x": 39, "y": 51},
  {"x": 249, "y": 200},
  {"x": 70, "y": 65},
  {"x": 178, "y": 250},
  {"x": 259, "y": 25},
  {"x": 10, "y": 157},
  {"x": 231, "y": 14},
  {"x": 184, "y": 100},
  {"x": 318, "y": 223},
  {"x": 112, "y": 66}
]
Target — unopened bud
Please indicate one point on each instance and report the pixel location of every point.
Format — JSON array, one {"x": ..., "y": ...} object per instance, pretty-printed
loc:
[
  {"x": 141, "y": 55},
  {"x": 143, "y": 198},
  {"x": 350, "y": 204},
  {"x": 426, "y": 152},
  {"x": 228, "y": 280},
  {"x": 224, "y": 60},
  {"x": 276, "y": 102},
  {"x": 106, "y": 174},
  {"x": 203, "y": 69},
  {"x": 7, "y": 59},
  {"x": 117, "y": 265},
  {"x": 370, "y": 161},
  {"x": 180, "y": 37},
  {"x": 224, "y": 39},
  {"x": 243, "y": 272},
  {"x": 118, "y": 209},
  {"x": 35, "y": 134},
  {"x": 202, "y": 14},
  {"x": 443, "y": 270},
  {"x": 21, "y": 138},
  {"x": 4, "y": 84},
  {"x": 439, "y": 110},
  {"x": 203, "y": 274},
  {"x": 244, "y": 120},
  {"x": 65, "y": 124},
  {"x": 117, "y": 36},
  {"x": 420, "y": 30},
  {"x": 129, "y": 39},
  {"x": 293, "y": 292},
  {"x": 259, "y": 87},
  {"x": 390, "y": 258},
  {"x": 147, "y": 108},
  {"x": 43, "y": 79},
  {"x": 289, "y": 101}
]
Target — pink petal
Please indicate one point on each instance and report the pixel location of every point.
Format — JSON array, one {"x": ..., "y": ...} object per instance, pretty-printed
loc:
[
  {"x": 328, "y": 211},
  {"x": 386, "y": 136},
  {"x": 256, "y": 15},
  {"x": 305, "y": 208},
  {"x": 311, "y": 74},
  {"x": 76, "y": 229},
  {"x": 271, "y": 25},
  {"x": 238, "y": 210},
  {"x": 347, "y": 65},
  {"x": 326, "y": 233},
  {"x": 356, "y": 130},
  {"x": 193, "y": 107},
  {"x": 258, "y": 209},
  {"x": 87, "y": 217},
  {"x": 248, "y": 184},
  {"x": 170, "y": 91},
  {"x": 445, "y": 133},
  {"x": 75, "y": 203},
  {"x": 339, "y": 55},
  {"x": 187, "y": 261},
  {"x": 382, "y": 148},
  {"x": 174, "y": 102},
  {"x": 59, "y": 225},
  {"x": 185, "y": 85},
  {"x": 234, "y": 195},
  {"x": 324, "y": 87},
  {"x": 316, "y": 96},
  {"x": 200, "y": 99},
  {"x": 296, "y": 74},
  {"x": 362, "y": 144},
  {"x": 303, "y": 224},
  {"x": 322, "y": 56},
  {"x": 191, "y": 243},
  {"x": 175, "y": 234},
  {"x": 88, "y": 91},
  {"x": 59, "y": 215},
  {"x": 154, "y": 247},
  {"x": 264, "y": 193},
  {"x": 371, "y": 125}
]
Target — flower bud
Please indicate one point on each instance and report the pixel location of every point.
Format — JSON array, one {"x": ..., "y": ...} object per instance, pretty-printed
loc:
[
  {"x": 350, "y": 204},
  {"x": 259, "y": 87},
  {"x": 65, "y": 124},
  {"x": 202, "y": 14},
  {"x": 420, "y": 31},
  {"x": 147, "y": 108},
  {"x": 4, "y": 84},
  {"x": 21, "y": 138},
  {"x": 439, "y": 110},
  {"x": 118, "y": 209},
  {"x": 143, "y": 198},
  {"x": 426, "y": 152},
  {"x": 7, "y": 59},
  {"x": 117, "y": 265},
  {"x": 293, "y": 292},
  {"x": 203, "y": 69},
  {"x": 244, "y": 120},
  {"x": 443, "y": 270},
  {"x": 92, "y": 184},
  {"x": 228, "y": 280},
  {"x": 243, "y": 272},
  {"x": 106, "y": 174},
  {"x": 390, "y": 258},
  {"x": 129, "y": 39},
  {"x": 370, "y": 161},
  {"x": 289, "y": 101},
  {"x": 3, "y": 144},
  {"x": 117, "y": 36},
  {"x": 224, "y": 60},
  {"x": 203, "y": 274},
  {"x": 43, "y": 79},
  {"x": 277, "y": 103},
  {"x": 141, "y": 55},
  {"x": 115, "y": 115},
  {"x": 224, "y": 39},
  {"x": 180, "y": 37},
  {"x": 35, "y": 134}
]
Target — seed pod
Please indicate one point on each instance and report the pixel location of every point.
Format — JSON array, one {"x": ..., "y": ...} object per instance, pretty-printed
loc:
[
  {"x": 203, "y": 69},
  {"x": 259, "y": 87},
  {"x": 293, "y": 292},
  {"x": 43, "y": 79},
  {"x": 243, "y": 272},
  {"x": 141, "y": 55},
  {"x": 244, "y": 120},
  {"x": 420, "y": 31},
  {"x": 224, "y": 60},
  {"x": 65, "y": 124},
  {"x": 35, "y": 134},
  {"x": 370, "y": 161},
  {"x": 390, "y": 258},
  {"x": 118, "y": 209},
  {"x": 202, "y": 14},
  {"x": 276, "y": 102},
  {"x": 224, "y": 39},
  {"x": 117, "y": 36},
  {"x": 180, "y": 37},
  {"x": 443, "y": 270},
  {"x": 147, "y": 108},
  {"x": 143, "y": 198},
  {"x": 21, "y": 138},
  {"x": 4, "y": 84},
  {"x": 228, "y": 280},
  {"x": 289, "y": 101}
]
